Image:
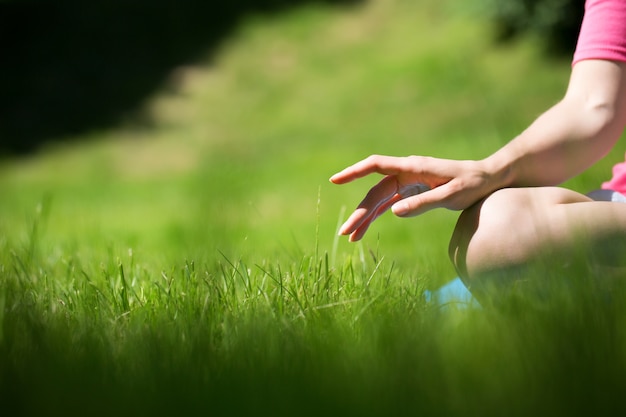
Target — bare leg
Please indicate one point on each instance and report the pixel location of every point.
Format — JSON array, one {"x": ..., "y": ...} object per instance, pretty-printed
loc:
[{"x": 520, "y": 226}]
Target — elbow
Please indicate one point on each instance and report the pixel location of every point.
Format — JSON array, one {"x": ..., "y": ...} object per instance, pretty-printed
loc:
[
  {"x": 603, "y": 121},
  {"x": 596, "y": 97},
  {"x": 596, "y": 100},
  {"x": 603, "y": 114}
]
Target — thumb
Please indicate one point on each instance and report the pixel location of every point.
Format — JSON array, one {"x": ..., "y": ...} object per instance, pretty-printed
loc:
[{"x": 420, "y": 203}]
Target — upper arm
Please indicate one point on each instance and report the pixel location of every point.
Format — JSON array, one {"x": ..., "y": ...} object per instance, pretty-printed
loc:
[
  {"x": 598, "y": 71},
  {"x": 599, "y": 83},
  {"x": 598, "y": 87}
]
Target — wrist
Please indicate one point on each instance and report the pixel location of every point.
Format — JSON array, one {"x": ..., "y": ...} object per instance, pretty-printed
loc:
[{"x": 498, "y": 170}]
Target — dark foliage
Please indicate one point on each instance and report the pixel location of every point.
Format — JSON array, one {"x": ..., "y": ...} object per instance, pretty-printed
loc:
[
  {"x": 69, "y": 66},
  {"x": 557, "y": 22}
]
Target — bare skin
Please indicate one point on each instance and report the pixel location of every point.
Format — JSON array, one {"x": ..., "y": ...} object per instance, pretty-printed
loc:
[
  {"x": 514, "y": 226},
  {"x": 511, "y": 210}
]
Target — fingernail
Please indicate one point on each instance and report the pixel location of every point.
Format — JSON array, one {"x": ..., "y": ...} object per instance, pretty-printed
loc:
[{"x": 400, "y": 208}]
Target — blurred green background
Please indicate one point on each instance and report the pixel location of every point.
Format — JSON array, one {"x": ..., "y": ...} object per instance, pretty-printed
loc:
[
  {"x": 164, "y": 177},
  {"x": 240, "y": 114}
]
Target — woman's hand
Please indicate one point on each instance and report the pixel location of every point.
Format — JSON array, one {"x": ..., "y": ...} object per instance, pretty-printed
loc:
[{"x": 413, "y": 185}]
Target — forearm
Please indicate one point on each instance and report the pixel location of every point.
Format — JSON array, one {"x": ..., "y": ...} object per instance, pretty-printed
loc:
[
  {"x": 560, "y": 144},
  {"x": 568, "y": 138}
]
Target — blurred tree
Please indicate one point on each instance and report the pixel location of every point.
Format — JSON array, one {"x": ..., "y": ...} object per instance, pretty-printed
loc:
[
  {"x": 68, "y": 66},
  {"x": 556, "y": 21}
]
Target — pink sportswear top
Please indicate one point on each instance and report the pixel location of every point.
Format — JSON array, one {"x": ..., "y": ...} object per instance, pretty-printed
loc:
[{"x": 603, "y": 36}]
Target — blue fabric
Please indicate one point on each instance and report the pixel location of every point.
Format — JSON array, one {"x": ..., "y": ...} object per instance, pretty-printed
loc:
[{"x": 453, "y": 293}]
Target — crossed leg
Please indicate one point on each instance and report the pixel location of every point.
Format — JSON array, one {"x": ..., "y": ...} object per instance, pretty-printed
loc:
[{"x": 515, "y": 227}]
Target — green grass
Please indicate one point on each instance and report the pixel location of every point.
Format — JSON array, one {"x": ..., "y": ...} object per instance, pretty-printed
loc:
[{"x": 188, "y": 263}]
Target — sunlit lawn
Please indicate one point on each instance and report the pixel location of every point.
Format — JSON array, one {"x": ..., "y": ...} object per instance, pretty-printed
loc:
[{"x": 187, "y": 262}]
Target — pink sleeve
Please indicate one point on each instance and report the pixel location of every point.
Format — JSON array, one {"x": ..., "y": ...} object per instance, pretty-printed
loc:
[
  {"x": 603, "y": 31},
  {"x": 618, "y": 182}
]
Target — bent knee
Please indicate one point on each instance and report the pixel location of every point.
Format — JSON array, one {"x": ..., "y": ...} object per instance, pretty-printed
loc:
[{"x": 505, "y": 228}]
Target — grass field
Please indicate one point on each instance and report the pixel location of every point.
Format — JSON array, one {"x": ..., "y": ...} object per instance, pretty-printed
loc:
[{"x": 186, "y": 262}]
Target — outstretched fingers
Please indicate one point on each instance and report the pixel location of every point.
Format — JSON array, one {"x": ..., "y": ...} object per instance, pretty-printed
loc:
[
  {"x": 378, "y": 199},
  {"x": 360, "y": 231},
  {"x": 387, "y": 165}
]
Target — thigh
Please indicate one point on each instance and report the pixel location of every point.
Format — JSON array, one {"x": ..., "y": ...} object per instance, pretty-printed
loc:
[{"x": 517, "y": 226}]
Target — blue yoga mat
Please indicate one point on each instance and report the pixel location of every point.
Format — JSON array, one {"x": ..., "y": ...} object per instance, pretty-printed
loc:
[{"x": 454, "y": 292}]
